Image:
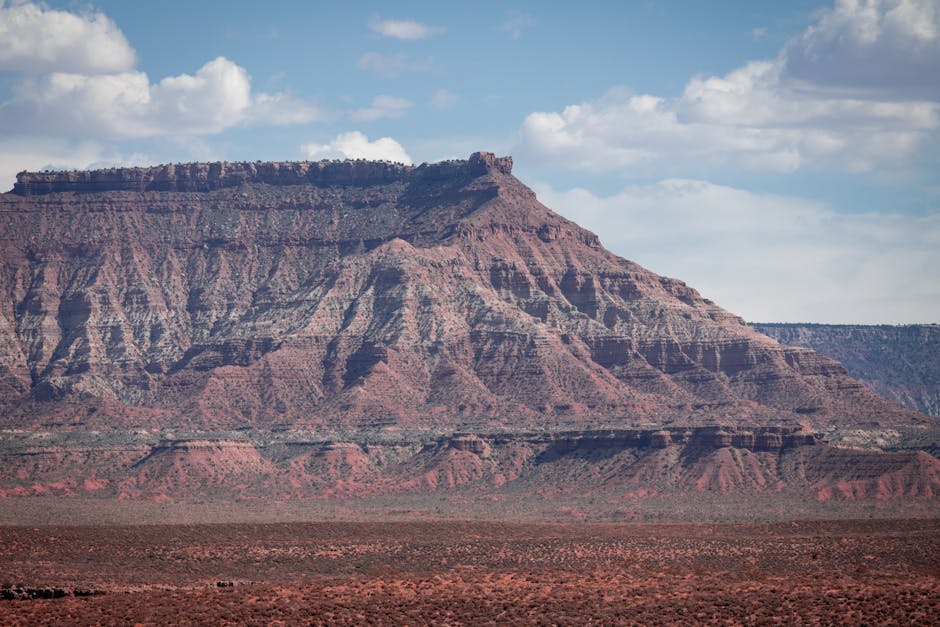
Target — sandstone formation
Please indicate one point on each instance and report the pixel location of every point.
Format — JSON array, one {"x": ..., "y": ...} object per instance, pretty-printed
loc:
[
  {"x": 614, "y": 464},
  {"x": 205, "y": 177},
  {"x": 366, "y": 296},
  {"x": 900, "y": 362},
  {"x": 369, "y": 330}
]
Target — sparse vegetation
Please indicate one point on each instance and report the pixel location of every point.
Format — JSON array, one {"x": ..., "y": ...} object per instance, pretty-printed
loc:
[{"x": 479, "y": 573}]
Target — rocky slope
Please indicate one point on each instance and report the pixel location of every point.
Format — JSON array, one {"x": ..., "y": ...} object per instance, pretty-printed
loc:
[
  {"x": 899, "y": 362},
  {"x": 364, "y": 295},
  {"x": 617, "y": 465},
  {"x": 341, "y": 329}
]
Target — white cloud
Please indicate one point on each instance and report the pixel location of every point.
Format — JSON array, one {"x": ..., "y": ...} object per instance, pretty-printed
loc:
[
  {"x": 382, "y": 107},
  {"x": 127, "y": 105},
  {"x": 355, "y": 145},
  {"x": 838, "y": 97},
  {"x": 405, "y": 29},
  {"x": 76, "y": 78},
  {"x": 282, "y": 109},
  {"x": 516, "y": 23},
  {"x": 890, "y": 48},
  {"x": 392, "y": 66},
  {"x": 746, "y": 119},
  {"x": 767, "y": 257},
  {"x": 444, "y": 99},
  {"x": 36, "y": 39}
]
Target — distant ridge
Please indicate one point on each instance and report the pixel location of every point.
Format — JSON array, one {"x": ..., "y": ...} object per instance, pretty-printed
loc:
[{"x": 900, "y": 362}]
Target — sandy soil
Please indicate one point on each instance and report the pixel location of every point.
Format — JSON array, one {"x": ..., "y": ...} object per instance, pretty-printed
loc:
[{"x": 447, "y": 572}]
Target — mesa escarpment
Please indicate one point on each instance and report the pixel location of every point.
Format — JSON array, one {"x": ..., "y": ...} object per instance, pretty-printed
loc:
[
  {"x": 364, "y": 295},
  {"x": 205, "y": 177}
]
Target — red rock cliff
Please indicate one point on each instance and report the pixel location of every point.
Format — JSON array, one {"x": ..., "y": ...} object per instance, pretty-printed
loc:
[{"x": 363, "y": 295}]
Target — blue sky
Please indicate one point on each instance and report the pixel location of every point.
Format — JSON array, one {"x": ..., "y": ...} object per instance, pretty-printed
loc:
[{"x": 780, "y": 157}]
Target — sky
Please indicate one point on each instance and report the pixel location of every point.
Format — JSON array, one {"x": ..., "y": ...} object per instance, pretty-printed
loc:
[{"x": 783, "y": 158}]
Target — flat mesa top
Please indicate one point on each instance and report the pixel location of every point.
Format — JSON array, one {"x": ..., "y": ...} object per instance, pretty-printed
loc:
[{"x": 191, "y": 177}]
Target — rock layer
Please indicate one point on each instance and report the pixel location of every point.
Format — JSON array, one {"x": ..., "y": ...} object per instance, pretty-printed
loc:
[
  {"x": 205, "y": 177},
  {"x": 613, "y": 464}
]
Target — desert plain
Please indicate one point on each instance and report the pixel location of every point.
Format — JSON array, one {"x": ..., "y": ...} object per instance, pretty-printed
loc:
[{"x": 876, "y": 572}]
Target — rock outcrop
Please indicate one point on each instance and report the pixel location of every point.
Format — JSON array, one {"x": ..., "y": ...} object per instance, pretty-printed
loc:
[
  {"x": 608, "y": 464},
  {"x": 365, "y": 296},
  {"x": 30, "y": 593},
  {"x": 206, "y": 177},
  {"x": 358, "y": 329}
]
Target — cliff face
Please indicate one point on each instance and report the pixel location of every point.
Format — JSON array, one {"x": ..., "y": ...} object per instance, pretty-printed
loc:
[
  {"x": 901, "y": 363},
  {"x": 205, "y": 177},
  {"x": 365, "y": 296}
]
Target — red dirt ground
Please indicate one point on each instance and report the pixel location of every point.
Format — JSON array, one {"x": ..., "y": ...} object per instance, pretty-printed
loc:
[{"x": 852, "y": 572}]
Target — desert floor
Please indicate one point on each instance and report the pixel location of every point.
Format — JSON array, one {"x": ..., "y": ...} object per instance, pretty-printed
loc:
[{"x": 451, "y": 572}]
